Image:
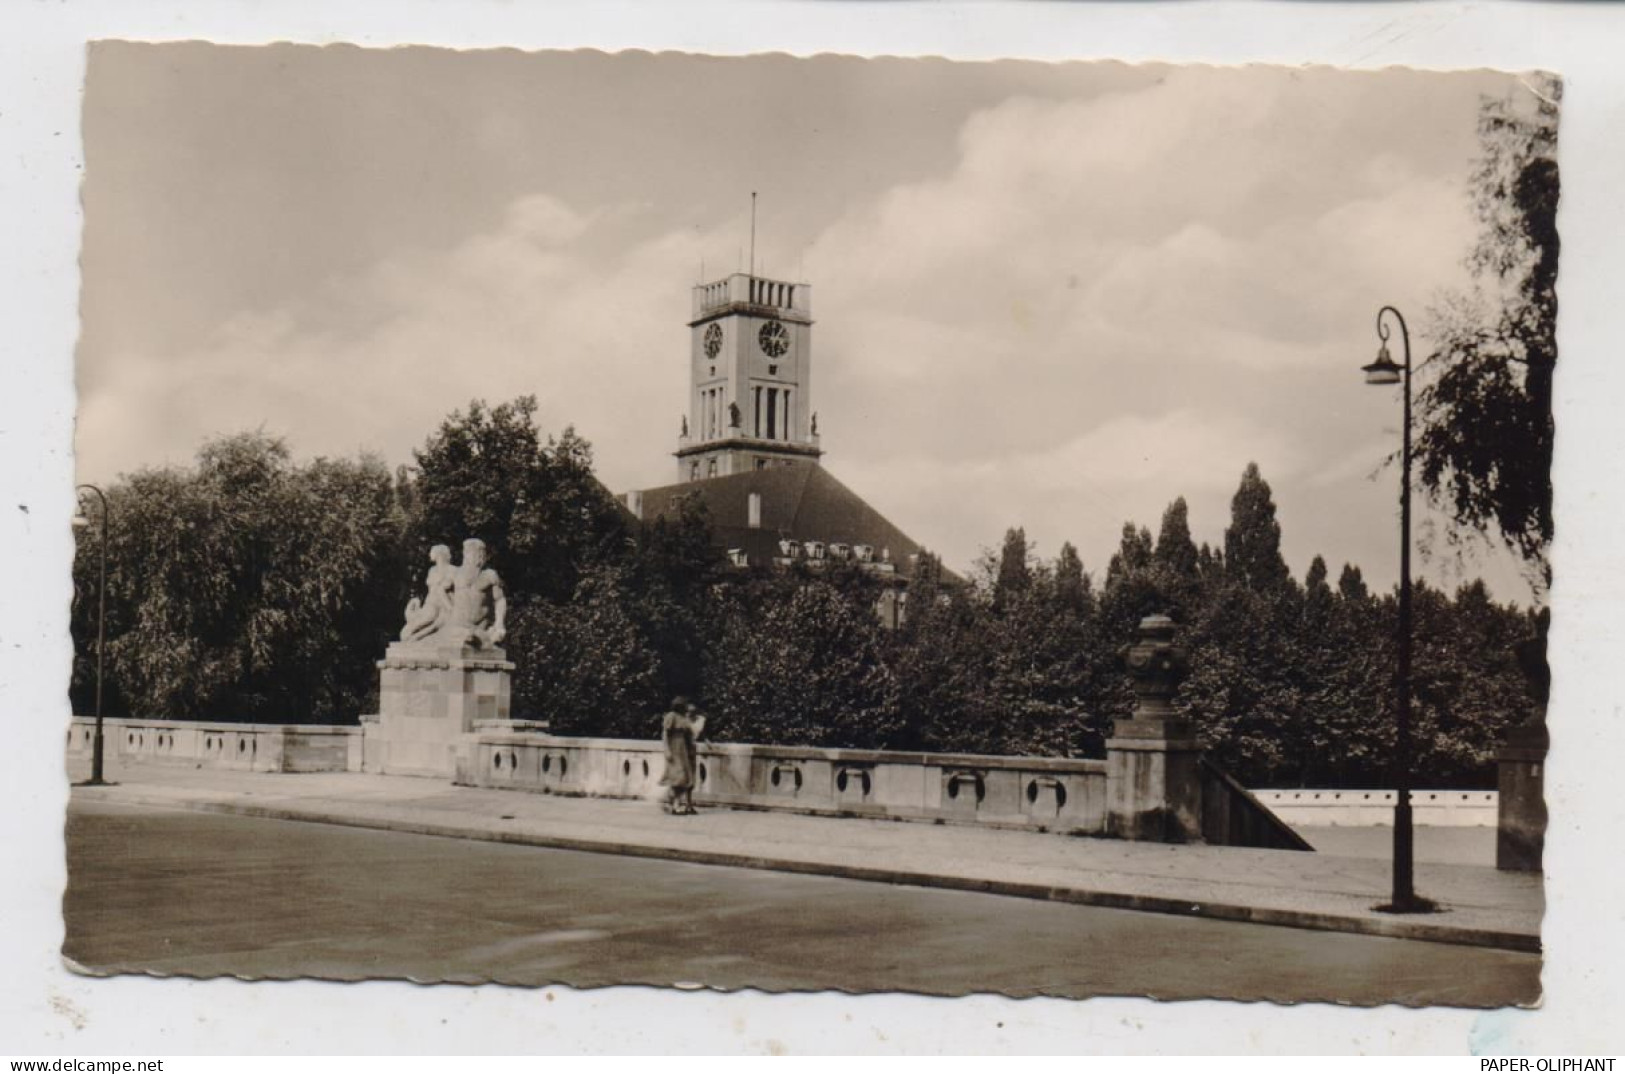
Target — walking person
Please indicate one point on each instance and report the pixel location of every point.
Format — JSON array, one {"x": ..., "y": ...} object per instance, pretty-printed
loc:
[{"x": 680, "y": 730}]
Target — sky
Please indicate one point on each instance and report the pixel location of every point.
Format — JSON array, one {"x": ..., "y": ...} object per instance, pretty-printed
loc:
[{"x": 1054, "y": 296}]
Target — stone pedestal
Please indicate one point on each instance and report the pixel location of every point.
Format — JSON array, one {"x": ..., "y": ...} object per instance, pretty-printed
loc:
[
  {"x": 1153, "y": 773},
  {"x": 428, "y": 697},
  {"x": 1520, "y": 837},
  {"x": 1154, "y": 782}
]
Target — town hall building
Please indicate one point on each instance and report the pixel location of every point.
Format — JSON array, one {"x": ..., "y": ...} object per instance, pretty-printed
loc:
[{"x": 749, "y": 448}]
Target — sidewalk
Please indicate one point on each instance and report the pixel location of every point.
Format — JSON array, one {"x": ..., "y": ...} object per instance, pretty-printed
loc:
[{"x": 1483, "y": 907}]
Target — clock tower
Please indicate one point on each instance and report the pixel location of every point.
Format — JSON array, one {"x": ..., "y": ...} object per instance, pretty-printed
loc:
[{"x": 750, "y": 358}]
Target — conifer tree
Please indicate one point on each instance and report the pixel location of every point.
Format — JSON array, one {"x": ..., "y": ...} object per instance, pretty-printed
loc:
[
  {"x": 1351, "y": 583},
  {"x": 1072, "y": 586},
  {"x": 1252, "y": 543},
  {"x": 1015, "y": 575},
  {"x": 1177, "y": 570}
]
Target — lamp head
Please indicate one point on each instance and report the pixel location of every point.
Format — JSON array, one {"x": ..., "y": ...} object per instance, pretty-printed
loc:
[{"x": 1384, "y": 370}]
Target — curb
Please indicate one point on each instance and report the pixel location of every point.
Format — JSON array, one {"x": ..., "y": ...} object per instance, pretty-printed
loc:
[{"x": 1387, "y": 927}]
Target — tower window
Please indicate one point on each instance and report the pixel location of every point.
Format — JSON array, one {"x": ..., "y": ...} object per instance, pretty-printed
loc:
[{"x": 772, "y": 413}]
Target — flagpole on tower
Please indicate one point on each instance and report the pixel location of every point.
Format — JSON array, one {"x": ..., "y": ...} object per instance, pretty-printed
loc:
[{"x": 753, "y": 234}]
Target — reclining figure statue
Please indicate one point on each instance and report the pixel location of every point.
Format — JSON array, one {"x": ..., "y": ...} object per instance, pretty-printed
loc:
[{"x": 464, "y": 605}]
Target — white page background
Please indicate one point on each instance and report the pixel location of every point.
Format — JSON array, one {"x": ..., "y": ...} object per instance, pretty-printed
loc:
[{"x": 45, "y": 1010}]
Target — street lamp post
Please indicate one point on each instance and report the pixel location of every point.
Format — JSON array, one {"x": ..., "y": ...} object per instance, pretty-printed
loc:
[
  {"x": 97, "y": 747},
  {"x": 1384, "y": 371}
]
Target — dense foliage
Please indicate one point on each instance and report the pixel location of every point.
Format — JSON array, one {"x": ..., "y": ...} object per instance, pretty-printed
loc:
[
  {"x": 248, "y": 587},
  {"x": 1485, "y": 405},
  {"x": 245, "y": 588}
]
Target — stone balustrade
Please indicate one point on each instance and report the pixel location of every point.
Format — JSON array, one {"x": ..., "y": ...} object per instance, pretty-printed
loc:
[
  {"x": 742, "y": 288},
  {"x": 252, "y": 747},
  {"x": 1049, "y": 794}
]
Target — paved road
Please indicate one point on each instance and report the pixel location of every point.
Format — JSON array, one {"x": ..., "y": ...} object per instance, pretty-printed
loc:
[{"x": 205, "y": 895}]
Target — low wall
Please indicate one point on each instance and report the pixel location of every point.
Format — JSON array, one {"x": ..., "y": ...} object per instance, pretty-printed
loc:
[
  {"x": 1233, "y": 816},
  {"x": 1361, "y": 808},
  {"x": 1034, "y": 793},
  {"x": 1013, "y": 792},
  {"x": 251, "y": 747}
]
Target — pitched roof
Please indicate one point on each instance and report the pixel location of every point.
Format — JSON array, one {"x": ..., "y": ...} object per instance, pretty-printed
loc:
[{"x": 799, "y": 503}]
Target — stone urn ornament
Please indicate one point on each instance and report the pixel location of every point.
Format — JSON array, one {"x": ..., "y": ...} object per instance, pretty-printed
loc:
[
  {"x": 1156, "y": 664},
  {"x": 1153, "y": 782}
]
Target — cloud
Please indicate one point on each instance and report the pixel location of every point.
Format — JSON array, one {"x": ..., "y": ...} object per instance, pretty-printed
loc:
[
  {"x": 1110, "y": 302},
  {"x": 1128, "y": 468},
  {"x": 521, "y": 309},
  {"x": 1184, "y": 447}
]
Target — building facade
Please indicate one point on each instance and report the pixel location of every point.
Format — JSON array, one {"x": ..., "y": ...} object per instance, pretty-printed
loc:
[
  {"x": 750, "y": 379},
  {"x": 749, "y": 447}
]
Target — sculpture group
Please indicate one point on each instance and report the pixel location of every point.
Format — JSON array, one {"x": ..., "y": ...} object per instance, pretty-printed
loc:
[{"x": 464, "y": 605}]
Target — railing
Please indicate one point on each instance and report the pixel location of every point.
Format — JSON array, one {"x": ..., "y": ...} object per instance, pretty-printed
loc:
[
  {"x": 1049, "y": 794},
  {"x": 254, "y": 747},
  {"x": 744, "y": 289}
]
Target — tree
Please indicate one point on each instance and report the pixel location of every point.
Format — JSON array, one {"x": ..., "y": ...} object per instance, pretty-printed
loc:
[
  {"x": 587, "y": 665},
  {"x": 1015, "y": 575},
  {"x": 1247, "y": 687},
  {"x": 543, "y": 515},
  {"x": 1175, "y": 550},
  {"x": 671, "y": 587},
  {"x": 1484, "y": 445},
  {"x": 1315, "y": 587},
  {"x": 925, "y": 591},
  {"x": 1176, "y": 563},
  {"x": 1252, "y": 543},
  {"x": 1469, "y": 687},
  {"x": 1072, "y": 586},
  {"x": 1243, "y": 692},
  {"x": 940, "y": 664},
  {"x": 1130, "y": 594},
  {"x": 247, "y": 588},
  {"x": 1040, "y": 692},
  {"x": 1351, "y": 583},
  {"x": 805, "y": 669},
  {"x": 1336, "y": 738},
  {"x": 1348, "y": 686},
  {"x": 1133, "y": 554}
]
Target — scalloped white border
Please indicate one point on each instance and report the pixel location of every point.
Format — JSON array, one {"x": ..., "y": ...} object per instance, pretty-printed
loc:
[{"x": 41, "y": 68}]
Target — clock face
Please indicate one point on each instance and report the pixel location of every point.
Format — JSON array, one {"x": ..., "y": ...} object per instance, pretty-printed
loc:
[
  {"x": 713, "y": 340},
  {"x": 774, "y": 339}
]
